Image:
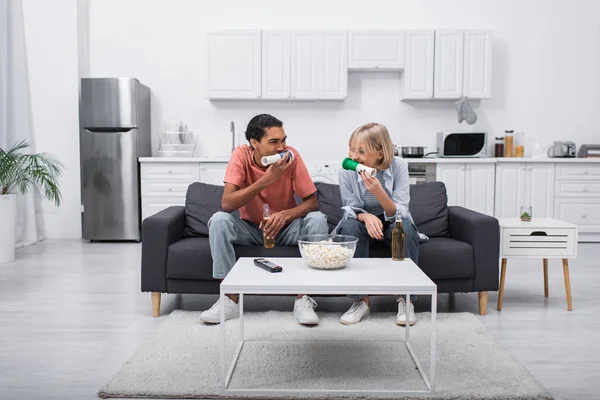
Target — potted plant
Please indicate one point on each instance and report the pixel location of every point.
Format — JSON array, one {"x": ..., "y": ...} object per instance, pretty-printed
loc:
[{"x": 20, "y": 172}]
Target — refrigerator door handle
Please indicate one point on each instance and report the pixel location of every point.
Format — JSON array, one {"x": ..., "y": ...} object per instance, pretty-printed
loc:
[{"x": 108, "y": 130}]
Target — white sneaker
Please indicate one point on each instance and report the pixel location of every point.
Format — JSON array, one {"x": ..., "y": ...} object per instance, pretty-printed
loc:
[
  {"x": 304, "y": 311},
  {"x": 213, "y": 314},
  {"x": 401, "y": 316},
  {"x": 355, "y": 314}
]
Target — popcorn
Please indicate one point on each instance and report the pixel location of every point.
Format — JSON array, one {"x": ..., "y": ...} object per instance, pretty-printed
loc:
[{"x": 326, "y": 255}]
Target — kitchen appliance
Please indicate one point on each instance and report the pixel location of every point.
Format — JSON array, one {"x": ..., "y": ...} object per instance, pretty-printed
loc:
[
  {"x": 421, "y": 172},
  {"x": 589, "y": 150},
  {"x": 414, "y": 152},
  {"x": 462, "y": 144},
  {"x": 114, "y": 115},
  {"x": 562, "y": 149}
]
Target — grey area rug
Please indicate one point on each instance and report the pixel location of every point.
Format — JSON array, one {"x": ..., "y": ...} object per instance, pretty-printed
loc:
[{"x": 182, "y": 360}]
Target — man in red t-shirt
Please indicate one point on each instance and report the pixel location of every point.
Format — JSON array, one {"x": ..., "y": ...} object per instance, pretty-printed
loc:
[{"x": 248, "y": 186}]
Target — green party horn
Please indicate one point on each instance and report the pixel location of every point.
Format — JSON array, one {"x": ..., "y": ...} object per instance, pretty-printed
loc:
[{"x": 352, "y": 165}]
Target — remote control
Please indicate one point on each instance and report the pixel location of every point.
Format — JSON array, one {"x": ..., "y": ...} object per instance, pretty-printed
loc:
[{"x": 267, "y": 265}]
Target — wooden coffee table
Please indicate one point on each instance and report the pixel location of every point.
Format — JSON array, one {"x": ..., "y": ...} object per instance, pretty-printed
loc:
[
  {"x": 362, "y": 275},
  {"x": 539, "y": 238}
]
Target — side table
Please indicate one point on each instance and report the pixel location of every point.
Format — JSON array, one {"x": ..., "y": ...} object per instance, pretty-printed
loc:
[{"x": 539, "y": 238}]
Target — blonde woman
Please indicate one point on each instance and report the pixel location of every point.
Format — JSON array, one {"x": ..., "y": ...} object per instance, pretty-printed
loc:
[{"x": 370, "y": 206}]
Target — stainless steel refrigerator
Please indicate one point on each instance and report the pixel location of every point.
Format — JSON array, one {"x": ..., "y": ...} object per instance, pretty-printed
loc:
[{"x": 114, "y": 115}]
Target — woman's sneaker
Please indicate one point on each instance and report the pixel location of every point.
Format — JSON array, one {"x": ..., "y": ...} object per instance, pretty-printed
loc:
[
  {"x": 355, "y": 314},
  {"x": 402, "y": 311},
  {"x": 213, "y": 314}
]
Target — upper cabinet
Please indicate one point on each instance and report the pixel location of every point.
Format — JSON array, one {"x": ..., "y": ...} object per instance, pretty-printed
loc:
[
  {"x": 276, "y": 72},
  {"x": 313, "y": 65},
  {"x": 448, "y": 66},
  {"x": 281, "y": 65},
  {"x": 319, "y": 65},
  {"x": 460, "y": 63},
  {"x": 477, "y": 81},
  {"x": 234, "y": 65},
  {"x": 418, "y": 72},
  {"x": 376, "y": 50}
]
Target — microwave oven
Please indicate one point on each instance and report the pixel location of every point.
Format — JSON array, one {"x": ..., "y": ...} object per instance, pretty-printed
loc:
[{"x": 462, "y": 144}]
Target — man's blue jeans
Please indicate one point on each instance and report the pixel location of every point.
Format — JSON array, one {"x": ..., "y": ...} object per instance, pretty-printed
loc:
[
  {"x": 354, "y": 227},
  {"x": 225, "y": 230}
]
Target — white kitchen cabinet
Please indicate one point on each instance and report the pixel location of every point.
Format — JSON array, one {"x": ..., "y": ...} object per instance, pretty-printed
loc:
[
  {"x": 524, "y": 184},
  {"x": 453, "y": 176},
  {"x": 276, "y": 70},
  {"x": 577, "y": 197},
  {"x": 448, "y": 70},
  {"x": 479, "y": 187},
  {"x": 165, "y": 183},
  {"x": 419, "y": 63},
  {"x": 212, "y": 172},
  {"x": 319, "y": 65},
  {"x": 469, "y": 185},
  {"x": 376, "y": 50},
  {"x": 334, "y": 67},
  {"x": 477, "y": 82},
  {"x": 234, "y": 65}
]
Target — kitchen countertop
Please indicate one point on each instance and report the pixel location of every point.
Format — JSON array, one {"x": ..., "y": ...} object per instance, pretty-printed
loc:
[
  {"x": 184, "y": 159},
  {"x": 428, "y": 160}
]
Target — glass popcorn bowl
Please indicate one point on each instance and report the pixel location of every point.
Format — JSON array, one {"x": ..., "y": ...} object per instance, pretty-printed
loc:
[{"x": 327, "y": 251}]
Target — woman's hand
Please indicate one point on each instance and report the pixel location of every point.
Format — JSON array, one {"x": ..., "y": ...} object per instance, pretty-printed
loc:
[
  {"x": 372, "y": 184},
  {"x": 373, "y": 225}
]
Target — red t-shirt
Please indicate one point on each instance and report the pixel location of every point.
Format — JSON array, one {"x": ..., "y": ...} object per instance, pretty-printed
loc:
[{"x": 242, "y": 171}]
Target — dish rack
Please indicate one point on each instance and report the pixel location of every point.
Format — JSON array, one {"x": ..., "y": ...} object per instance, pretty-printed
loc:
[{"x": 176, "y": 144}]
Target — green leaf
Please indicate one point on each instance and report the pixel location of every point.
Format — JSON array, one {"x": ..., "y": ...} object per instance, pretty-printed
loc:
[{"x": 20, "y": 172}]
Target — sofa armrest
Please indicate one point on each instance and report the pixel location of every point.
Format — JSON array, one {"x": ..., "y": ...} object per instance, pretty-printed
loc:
[
  {"x": 159, "y": 231},
  {"x": 482, "y": 232}
]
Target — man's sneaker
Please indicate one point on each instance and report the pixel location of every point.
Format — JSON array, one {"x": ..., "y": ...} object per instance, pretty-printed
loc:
[
  {"x": 401, "y": 316},
  {"x": 304, "y": 311},
  {"x": 213, "y": 314},
  {"x": 357, "y": 311}
]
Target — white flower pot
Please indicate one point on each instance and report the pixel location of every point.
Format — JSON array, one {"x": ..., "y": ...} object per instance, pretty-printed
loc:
[{"x": 8, "y": 226}]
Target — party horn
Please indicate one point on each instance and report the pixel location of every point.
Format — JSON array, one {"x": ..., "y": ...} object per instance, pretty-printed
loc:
[
  {"x": 352, "y": 165},
  {"x": 276, "y": 157}
]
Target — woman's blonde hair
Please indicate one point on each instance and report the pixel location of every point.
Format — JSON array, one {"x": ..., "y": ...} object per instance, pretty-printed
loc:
[{"x": 375, "y": 138}]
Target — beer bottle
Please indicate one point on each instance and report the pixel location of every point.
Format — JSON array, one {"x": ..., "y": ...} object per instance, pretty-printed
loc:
[
  {"x": 268, "y": 243},
  {"x": 398, "y": 240}
]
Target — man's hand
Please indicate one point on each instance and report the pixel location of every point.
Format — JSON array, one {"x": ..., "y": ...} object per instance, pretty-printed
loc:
[
  {"x": 277, "y": 221},
  {"x": 372, "y": 184},
  {"x": 275, "y": 171},
  {"x": 373, "y": 225}
]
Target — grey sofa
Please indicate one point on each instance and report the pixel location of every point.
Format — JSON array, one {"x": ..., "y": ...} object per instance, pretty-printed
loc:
[{"x": 460, "y": 256}]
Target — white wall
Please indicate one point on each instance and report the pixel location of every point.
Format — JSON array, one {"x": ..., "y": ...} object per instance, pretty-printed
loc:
[
  {"x": 51, "y": 35},
  {"x": 546, "y": 72},
  {"x": 546, "y": 67}
]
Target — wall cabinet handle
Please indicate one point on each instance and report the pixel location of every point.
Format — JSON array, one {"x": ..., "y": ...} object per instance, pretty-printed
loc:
[
  {"x": 584, "y": 216},
  {"x": 170, "y": 171},
  {"x": 585, "y": 189}
]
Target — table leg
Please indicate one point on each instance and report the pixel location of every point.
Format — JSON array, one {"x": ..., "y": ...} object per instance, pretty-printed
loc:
[
  {"x": 501, "y": 290},
  {"x": 567, "y": 283},
  {"x": 545, "y": 277}
]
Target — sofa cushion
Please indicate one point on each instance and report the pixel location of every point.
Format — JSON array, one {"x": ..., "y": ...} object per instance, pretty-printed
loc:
[
  {"x": 446, "y": 258},
  {"x": 330, "y": 203},
  {"x": 190, "y": 258},
  {"x": 201, "y": 202},
  {"x": 439, "y": 258},
  {"x": 429, "y": 208}
]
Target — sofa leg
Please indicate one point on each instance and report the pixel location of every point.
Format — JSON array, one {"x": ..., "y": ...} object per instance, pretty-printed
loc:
[
  {"x": 156, "y": 304},
  {"x": 483, "y": 298}
]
